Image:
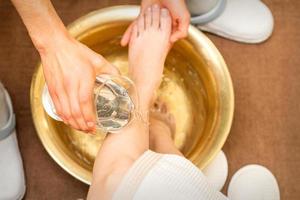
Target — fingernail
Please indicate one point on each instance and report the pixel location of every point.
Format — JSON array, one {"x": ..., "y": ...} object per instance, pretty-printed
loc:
[{"x": 90, "y": 124}]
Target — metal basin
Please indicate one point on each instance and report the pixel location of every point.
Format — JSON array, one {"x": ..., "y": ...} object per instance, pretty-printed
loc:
[{"x": 196, "y": 87}]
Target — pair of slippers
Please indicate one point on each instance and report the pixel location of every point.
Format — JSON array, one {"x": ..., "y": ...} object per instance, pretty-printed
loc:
[
  {"x": 12, "y": 181},
  {"x": 247, "y": 21},
  {"x": 251, "y": 182}
]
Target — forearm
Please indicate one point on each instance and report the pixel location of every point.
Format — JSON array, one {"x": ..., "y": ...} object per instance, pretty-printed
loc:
[
  {"x": 41, "y": 20},
  {"x": 130, "y": 142},
  {"x": 116, "y": 155}
]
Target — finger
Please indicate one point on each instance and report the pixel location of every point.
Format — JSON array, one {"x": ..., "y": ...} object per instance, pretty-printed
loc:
[
  {"x": 155, "y": 16},
  {"x": 87, "y": 105},
  {"x": 148, "y": 18},
  {"x": 182, "y": 30},
  {"x": 75, "y": 107},
  {"x": 126, "y": 37},
  {"x": 176, "y": 36},
  {"x": 71, "y": 122},
  {"x": 66, "y": 110},
  {"x": 184, "y": 25},
  {"x": 56, "y": 102},
  {"x": 102, "y": 66},
  {"x": 53, "y": 89},
  {"x": 108, "y": 68}
]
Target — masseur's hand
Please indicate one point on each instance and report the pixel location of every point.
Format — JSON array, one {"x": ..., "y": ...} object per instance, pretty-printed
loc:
[
  {"x": 180, "y": 18},
  {"x": 70, "y": 69}
]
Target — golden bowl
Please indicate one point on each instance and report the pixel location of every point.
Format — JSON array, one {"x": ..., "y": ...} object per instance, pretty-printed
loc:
[{"x": 196, "y": 87}]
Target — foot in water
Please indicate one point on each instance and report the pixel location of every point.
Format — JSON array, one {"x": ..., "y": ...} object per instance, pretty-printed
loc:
[
  {"x": 160, "y": 115},
  {"x": 162, "y": 129}
]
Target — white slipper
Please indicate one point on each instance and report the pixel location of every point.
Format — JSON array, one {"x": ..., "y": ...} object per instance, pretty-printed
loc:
[
  {"x": 248, "y": 21},
  {"x": 253, "y": 182},
  {"x": 12, "y": 181},
  {"x": 217, "y": 171}
]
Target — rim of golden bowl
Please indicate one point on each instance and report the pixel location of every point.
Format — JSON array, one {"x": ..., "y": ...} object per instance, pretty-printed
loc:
[{"x": 125, "y": 14}]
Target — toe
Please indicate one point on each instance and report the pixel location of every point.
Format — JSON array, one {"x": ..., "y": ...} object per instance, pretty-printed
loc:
[
  {"x": 148, "y": 17},
  {"x": 141, "y": 24},
  {"x": 165, "y": 20},
  {"x": 164, "y": 108},
  {"x": 155, "y": 16},
  {"x": 157, "y": 105}
]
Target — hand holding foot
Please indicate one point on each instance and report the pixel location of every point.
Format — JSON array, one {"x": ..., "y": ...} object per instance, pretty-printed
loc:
[
  {"x": 148, "y": 48},
  {"x": 180, "y": 18}
]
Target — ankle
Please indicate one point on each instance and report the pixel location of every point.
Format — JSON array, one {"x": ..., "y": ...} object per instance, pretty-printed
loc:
[{"x": 144, "y": 99}]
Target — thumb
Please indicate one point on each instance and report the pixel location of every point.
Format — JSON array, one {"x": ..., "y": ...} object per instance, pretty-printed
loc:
[
  {"x": 107, "y": 68},
  {"x": 126, "y": 37},
  {"x": 102, "y": 66}
]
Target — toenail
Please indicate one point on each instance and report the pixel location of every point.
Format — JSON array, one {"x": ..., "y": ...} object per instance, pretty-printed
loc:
[{"x": 164, "y": 11}]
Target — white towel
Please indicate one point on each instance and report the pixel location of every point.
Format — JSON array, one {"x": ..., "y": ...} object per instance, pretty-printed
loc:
[{"x": 163, "y": 177}]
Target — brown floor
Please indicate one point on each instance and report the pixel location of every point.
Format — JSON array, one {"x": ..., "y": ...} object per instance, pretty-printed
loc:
[{"x": 266, "y": 128}]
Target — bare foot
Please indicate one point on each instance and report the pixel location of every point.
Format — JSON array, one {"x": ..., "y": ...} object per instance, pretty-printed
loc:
[
  {"x": 160, "y": 115},
  {"x": 162, "y": 129},
  {"x": 148, "y": 48}
]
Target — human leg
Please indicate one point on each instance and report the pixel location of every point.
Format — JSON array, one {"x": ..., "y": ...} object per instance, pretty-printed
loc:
[{"x": 148, "y": 48}]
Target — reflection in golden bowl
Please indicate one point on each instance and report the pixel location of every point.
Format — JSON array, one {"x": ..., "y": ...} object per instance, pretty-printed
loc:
[{"x": 196, "y": 87}]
